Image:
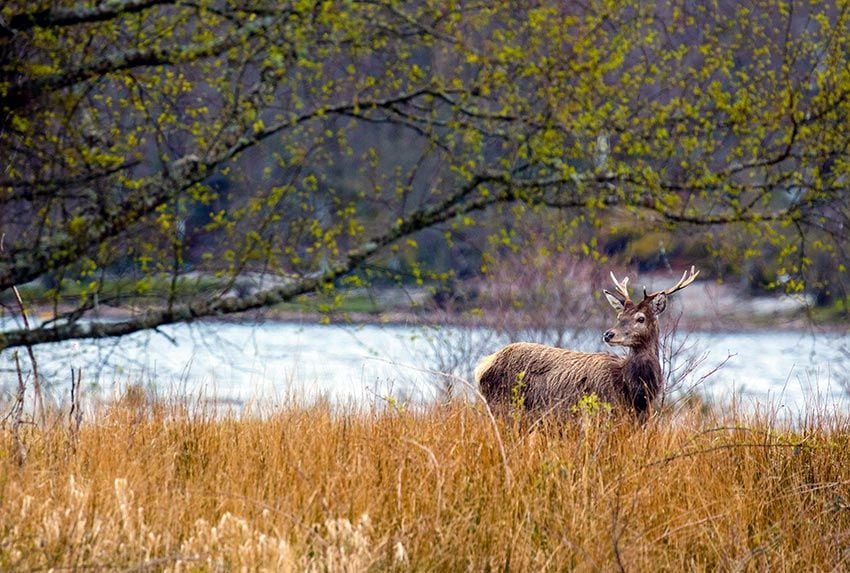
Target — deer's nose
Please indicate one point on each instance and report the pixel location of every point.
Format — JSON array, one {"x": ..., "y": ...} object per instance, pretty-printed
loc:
[{"x": 609, "y": 334}]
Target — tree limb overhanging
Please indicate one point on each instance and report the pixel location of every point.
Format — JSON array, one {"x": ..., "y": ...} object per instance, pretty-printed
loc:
[
  {"x": 147, "y": 141},
  {"x": 462, "y": 202},
  {"x": 25, "y": 265}
]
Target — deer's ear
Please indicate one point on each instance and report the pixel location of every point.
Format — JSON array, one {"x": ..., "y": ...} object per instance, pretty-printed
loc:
[
  {"x": 617, "y": 303},
  {"x": 659, "y": 303}
]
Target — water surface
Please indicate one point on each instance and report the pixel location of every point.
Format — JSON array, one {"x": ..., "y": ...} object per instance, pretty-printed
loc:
[{"x": 241, "y": 362}]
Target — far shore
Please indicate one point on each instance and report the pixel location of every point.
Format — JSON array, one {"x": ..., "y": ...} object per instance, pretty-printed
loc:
[{"x": 699, "y": 313}]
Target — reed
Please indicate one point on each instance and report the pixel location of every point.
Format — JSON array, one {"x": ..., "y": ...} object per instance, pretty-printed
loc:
[{"x": 160, "y": 485}]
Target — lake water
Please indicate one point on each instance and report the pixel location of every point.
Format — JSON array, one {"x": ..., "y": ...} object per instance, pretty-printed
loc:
[{"x": 242, "y": 362}]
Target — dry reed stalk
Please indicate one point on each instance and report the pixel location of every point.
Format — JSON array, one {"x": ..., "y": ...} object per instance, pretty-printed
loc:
[
  {"x": 159, "y": 485},
  {"x": 39, "y": 399},
  {"x": 17, "y": 415},
  {"x": 75, "y": 411}
]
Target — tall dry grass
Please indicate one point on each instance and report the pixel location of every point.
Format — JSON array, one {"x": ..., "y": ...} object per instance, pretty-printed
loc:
[{"x": 162, "y": 486}]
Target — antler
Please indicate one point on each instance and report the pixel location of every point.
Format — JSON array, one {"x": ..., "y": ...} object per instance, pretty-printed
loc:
[
  {"x": 687, "y": 278},
  {"x": 621, "y": 287}
]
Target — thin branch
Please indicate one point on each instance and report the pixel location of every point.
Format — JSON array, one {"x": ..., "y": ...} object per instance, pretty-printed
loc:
[
  {"x": 31, "y": 262},
  {"x": 21, "y": 93},
  {"x": 74, "y": 15},
  {"x": 461, "y": 202},
  {"x": 30, "y": 189}
]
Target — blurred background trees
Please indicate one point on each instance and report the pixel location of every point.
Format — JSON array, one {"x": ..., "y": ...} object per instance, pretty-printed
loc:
[{"x": 190, "y": 159}]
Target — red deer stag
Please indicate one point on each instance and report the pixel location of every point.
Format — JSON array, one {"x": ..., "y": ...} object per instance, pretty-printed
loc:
[{"x": 544, "y": 378}]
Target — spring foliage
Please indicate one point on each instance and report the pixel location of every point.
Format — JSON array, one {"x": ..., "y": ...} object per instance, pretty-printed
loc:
[{"x": 306, "y": 141}]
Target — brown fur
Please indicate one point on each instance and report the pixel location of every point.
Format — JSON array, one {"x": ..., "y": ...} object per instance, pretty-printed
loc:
[{"x": 545, "y": 378}]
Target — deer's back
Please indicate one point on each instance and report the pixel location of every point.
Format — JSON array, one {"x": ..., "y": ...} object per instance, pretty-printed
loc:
[{"x": 546, "y": 377}]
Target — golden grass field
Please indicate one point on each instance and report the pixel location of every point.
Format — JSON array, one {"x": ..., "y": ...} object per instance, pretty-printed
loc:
[{"x": 159, "y": 486}]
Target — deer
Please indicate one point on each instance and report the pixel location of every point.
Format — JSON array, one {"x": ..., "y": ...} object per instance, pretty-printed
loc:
[{"x": 549, "y": 379}]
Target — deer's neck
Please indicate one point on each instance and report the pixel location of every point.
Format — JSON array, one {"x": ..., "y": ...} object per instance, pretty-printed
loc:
[{"x": 642, "y": 376}]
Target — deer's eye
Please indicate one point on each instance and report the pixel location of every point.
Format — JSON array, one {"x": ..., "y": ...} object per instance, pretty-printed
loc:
[{"x": 641, "y": 319}]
